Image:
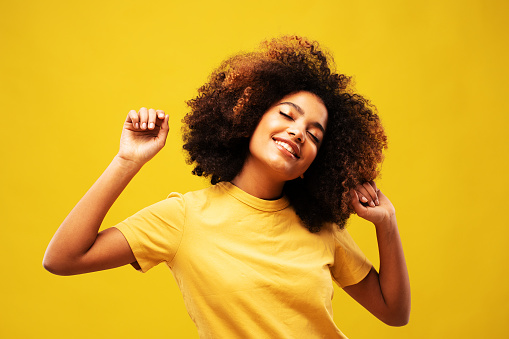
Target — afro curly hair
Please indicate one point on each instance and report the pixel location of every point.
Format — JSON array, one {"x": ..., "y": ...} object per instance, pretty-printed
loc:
[{"x": 229, "y": 106}]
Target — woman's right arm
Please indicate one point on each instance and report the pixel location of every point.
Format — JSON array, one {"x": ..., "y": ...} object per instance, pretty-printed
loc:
[{"x": 77, "y": 247}]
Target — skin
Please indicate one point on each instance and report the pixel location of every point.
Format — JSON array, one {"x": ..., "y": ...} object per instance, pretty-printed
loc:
[
  {"x": 386, "y": 294},
  {"x": 300, "y": 121},
  {"x": 77, "y": 247}
]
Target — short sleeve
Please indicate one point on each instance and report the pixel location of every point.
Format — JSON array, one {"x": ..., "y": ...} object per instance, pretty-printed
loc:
[
  {"x": 350, "y": 264},
  {"x": 154, "y": 233}
]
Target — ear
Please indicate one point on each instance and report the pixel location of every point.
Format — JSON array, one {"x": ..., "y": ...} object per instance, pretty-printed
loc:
[{"x": 302, "y": 176}]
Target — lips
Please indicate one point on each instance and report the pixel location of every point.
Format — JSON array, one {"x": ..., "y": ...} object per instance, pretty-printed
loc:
[{"x": 289, "y": 146}]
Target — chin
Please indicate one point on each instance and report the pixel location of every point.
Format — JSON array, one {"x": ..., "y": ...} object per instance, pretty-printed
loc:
[{"x": 285, "y": 175}]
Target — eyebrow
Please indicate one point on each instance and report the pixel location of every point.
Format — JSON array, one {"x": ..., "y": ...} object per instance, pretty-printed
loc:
[{"x": 301, "y": 112}]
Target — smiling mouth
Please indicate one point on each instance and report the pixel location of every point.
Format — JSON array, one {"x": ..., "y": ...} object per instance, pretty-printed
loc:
[{"x": 287, "y": 147}]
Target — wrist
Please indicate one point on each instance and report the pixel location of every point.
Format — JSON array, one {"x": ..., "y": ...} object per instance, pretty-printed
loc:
[
  {"x": 126, "y": 164},
  {"x": 388, "y": 223}
]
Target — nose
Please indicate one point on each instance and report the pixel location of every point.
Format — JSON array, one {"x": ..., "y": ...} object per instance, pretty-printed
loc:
[{"x": 297, "y": 134}]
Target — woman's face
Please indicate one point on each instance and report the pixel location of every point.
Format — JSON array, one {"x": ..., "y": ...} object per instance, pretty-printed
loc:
[{"x": 287, "y": 138}]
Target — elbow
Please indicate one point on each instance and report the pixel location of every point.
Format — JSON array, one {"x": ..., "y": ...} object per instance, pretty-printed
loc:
[
  {"x": 399, "y": 321},
  {"x": 54, "y": 266},
  {"x": 398, "y": 318},
  {"x": 51, "y": 267}
]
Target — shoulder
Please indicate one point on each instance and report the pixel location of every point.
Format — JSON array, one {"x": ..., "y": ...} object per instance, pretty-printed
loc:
[
  {"x": 212, "y": 190},
  {"x": 202, "y": 196},
  {"x": 343, "y": 241}
]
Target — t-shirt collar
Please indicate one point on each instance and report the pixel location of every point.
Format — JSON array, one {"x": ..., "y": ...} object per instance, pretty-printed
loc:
[{"x": 248, "y": 199}]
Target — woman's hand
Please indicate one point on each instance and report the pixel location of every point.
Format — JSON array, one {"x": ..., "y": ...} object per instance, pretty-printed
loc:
[
  {"x": 371, "y": 204},
  {"x": 143, "y": 135}
]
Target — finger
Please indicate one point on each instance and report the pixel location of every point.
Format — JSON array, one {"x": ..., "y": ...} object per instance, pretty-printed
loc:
[
  {"x": 377, "y": 190},
  {"x": 364, "y": 195},
  {"x": 382, "y": 197},
  {"x": 143, "y": 118},
  {"x": 151, "y": 118},
  {"x": 164, "y": 127},
  {"x": 356, "y": 202},
  {"x": 160, "y": 116},
  {"x": 132, "y": 117},
  {"x": 361, "y": 197},
  {"x": 371, "y": 191},
  {"x": 165, "y": 124},
  {"x": 374, "y": 186}
]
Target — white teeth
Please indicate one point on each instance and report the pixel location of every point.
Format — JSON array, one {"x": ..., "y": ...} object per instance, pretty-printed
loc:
[{"x": 285, "y": 146}]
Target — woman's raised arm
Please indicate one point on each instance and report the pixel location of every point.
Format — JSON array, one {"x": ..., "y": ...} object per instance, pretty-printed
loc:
[
  {"x": 385, "y": 294},
  {"x": 76, "y": 246}
]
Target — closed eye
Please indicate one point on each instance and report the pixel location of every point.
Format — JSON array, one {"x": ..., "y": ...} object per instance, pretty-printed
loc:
[
  {"x": 286, "y": 115},
  {"x": 315, "y": 139}
]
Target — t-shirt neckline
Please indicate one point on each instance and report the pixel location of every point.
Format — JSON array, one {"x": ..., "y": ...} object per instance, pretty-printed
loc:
[{"x": 250, "y": 200}]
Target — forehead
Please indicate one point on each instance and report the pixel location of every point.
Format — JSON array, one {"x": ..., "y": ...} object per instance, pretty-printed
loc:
[{"x": 306, "y": 104}]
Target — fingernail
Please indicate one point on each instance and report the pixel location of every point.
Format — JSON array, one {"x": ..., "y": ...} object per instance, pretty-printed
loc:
[
  {"x": 144, "y": 125},
  {"x": 161, "y": 115},
  {"x": 137, "y": 125},
  {"x": 372, "y": 204},
  {"x": 151, "y": 125},
  {"x": 364, "y": 199}
]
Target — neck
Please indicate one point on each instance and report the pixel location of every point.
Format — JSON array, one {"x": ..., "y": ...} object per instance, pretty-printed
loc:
[{"x": 258, "y": 185}]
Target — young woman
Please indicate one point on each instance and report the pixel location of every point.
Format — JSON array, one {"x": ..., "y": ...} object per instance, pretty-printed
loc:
[{"x": 291, "y": 152}]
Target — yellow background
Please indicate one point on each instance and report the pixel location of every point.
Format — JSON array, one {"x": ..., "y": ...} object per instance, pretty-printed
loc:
[{"x": 70, "y": 71}]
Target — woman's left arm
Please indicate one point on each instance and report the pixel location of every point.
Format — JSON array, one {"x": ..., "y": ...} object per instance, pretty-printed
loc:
[{"x": 386, "y": 294}]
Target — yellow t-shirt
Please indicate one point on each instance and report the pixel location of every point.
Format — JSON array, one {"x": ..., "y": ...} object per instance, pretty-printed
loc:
[{"x": 247, "y": 267}]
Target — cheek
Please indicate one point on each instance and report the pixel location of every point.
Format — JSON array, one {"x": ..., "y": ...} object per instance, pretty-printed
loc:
[
  {"x": 311, "y": 155},
  {"x": 264, "y": 131},
  {"x": 257, "y": 143}
]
